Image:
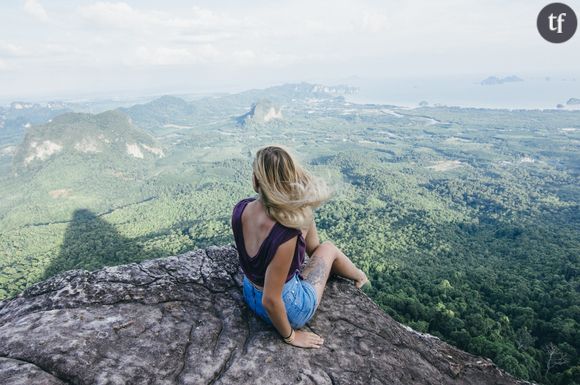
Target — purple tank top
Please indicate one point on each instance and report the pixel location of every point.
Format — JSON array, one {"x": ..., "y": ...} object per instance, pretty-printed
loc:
[{"x": 255, "y": 267}]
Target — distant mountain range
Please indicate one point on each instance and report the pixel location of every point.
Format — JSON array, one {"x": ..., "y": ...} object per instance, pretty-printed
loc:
[
  {"x": 263, "y": 105},
  {"x": 493, "y": 80},
  {"x": 36, "y": 133},
  {"x": 159, "y": 114},
  {"x": 15, "y": 118}
]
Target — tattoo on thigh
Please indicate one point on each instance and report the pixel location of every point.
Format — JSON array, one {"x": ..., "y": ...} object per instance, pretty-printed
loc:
[{"x": 318, "y": 272}]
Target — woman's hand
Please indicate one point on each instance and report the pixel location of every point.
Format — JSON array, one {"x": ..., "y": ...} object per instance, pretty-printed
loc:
[{"x": 304, "y": 339}]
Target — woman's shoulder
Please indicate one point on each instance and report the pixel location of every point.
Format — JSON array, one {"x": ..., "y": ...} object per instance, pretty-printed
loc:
[
  {"x": 241, "y": 204},
  {"x": 244, "y": 200},
  {"x": 289, "y": 232}
]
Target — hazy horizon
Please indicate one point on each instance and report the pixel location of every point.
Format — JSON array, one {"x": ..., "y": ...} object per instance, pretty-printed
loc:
[{"x": 75, "y": 49}]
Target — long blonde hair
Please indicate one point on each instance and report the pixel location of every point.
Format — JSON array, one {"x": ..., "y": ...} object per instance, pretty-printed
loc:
[{"x": 289, "y": 192}]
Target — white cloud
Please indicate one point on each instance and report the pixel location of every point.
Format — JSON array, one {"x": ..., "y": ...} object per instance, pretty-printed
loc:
[
  {"x": 244, "y": 57},
  {"x": 373, "y": 22},
  {"x": 34, "y": 8},
  {"x": 201, "y": 38},
  {"x": 4, "y": 65},
  {"x": 118, "y": 15},
  {"x": 142, "y": 38},
  {"x": 122, "y": 15},
  {"x": 11, "y": 50},
  {"x": 36, "y": 50},
  {"x": 165, "y": 56}
]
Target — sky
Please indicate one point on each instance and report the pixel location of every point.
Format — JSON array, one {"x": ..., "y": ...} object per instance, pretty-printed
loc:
[{"x": 65, "y": 49}]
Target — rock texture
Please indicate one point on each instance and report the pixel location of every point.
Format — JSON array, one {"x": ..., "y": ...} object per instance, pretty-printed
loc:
[
  {"x": 263, "y": 111},
  {"x": 182, "y": 320}
]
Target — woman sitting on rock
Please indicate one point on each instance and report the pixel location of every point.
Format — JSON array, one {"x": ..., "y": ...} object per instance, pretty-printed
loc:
[{"x": 272, "y": 232}]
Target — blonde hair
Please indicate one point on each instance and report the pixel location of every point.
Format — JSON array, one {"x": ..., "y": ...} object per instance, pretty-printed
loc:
[{"x": 289, "y": 192}]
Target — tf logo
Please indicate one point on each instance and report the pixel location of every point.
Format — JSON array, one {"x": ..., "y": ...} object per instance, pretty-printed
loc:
[{"x": 557, "y": 22}]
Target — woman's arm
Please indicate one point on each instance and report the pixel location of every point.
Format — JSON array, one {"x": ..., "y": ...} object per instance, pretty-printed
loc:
[
  {"x": 274, "y": 281},
  {"x": 312, "y": 241}
]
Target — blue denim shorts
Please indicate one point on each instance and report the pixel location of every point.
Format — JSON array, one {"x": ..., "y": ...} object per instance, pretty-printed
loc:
[{"x": 299, "y": 297}]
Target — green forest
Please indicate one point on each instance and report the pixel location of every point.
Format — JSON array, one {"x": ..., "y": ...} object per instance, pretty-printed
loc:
[{"x": 465, "y": 220}]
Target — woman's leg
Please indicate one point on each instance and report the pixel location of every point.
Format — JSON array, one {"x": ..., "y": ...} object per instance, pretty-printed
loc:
[{"x": 328, "y": 259}]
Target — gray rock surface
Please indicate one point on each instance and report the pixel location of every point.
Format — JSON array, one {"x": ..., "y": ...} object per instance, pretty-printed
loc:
[{"x": 182, "y": 320}]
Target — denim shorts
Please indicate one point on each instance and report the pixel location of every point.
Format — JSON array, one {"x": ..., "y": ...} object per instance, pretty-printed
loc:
[{"x": 299, "y": 297}]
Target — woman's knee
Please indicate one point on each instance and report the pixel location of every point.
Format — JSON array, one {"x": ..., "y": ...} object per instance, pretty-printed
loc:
[
  {"x": 325, "y": 247},
  {"x": 326, "y": 250}
]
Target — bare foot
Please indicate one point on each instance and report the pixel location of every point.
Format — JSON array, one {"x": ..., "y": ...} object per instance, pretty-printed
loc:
[{"x": 361, "y": 281}]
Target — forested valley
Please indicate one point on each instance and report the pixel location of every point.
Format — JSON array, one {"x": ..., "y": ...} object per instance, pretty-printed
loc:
[{"x": 466, "y": 220}]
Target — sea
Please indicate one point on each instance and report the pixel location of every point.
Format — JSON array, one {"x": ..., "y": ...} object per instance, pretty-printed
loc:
[{"x": 537, "y": 92}]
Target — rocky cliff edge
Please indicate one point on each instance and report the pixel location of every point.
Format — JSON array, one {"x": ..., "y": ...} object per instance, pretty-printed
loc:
[{"x": 182, "y": 320}]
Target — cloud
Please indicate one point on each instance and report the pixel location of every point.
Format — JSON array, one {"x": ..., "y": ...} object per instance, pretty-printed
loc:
[
  {"x": 122, "y": 15},
  {"x": 166, "y": 56},
  {"x": 11, "y": 50},
  {"x": 117, "y": 15},
  {"x": 187, "y": 37},
  {"x": 373, "y": 22},
  {"x": 4, "y": 65},
  {"x": 35, "y": 50},
  {"x": 244, "y": 57},
  {"x": 34, "y": 8},
  {"x": 146, "y": 37}
]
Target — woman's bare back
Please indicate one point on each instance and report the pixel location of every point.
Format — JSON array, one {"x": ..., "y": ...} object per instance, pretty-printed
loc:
[{"x": 256, "y": 226}]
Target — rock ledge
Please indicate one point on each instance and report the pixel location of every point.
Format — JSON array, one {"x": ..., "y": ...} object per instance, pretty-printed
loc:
[{"x": 182, "y": 320}]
